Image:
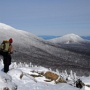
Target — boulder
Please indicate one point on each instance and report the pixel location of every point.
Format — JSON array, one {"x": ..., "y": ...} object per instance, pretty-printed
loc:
[{"x": 54, "y": 77}]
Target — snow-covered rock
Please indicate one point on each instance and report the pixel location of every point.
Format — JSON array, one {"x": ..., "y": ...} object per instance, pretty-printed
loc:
[
  {"x": 4, "y": 77},
  {"x": 15, "y": 73},
  {"x": 68, "y": 39},
  {"x": 6, "y": 82}
]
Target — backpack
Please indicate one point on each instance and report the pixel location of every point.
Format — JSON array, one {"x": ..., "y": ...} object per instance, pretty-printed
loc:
[{"x": 5, "y": 46}]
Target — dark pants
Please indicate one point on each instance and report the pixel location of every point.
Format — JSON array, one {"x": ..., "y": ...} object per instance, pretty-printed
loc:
[{"x": 6, "y": 60}]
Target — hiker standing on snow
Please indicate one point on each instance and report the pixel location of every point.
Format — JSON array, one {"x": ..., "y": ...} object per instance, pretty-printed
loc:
[{"x": 6, "y": 50}]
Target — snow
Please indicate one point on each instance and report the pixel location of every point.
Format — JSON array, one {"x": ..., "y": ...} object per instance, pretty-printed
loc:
[
  {"x": 4, "y": 26},
  {"x": 19, "y": 78},
  {"x": 86, "y": 80},
  {"x": 68, "y": 39}
]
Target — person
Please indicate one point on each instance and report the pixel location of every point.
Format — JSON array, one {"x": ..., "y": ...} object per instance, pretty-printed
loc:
[{"x": 6, "y": 50}]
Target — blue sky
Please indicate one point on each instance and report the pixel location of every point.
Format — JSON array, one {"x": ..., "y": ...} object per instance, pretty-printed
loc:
[{"x": 47, "y": 17}]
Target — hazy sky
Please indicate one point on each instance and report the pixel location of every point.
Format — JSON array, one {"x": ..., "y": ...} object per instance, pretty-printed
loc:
[{"x": 47, "y": 17}]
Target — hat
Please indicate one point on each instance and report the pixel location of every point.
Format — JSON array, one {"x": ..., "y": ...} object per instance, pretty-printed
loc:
[{"x": 10, "y": 40}]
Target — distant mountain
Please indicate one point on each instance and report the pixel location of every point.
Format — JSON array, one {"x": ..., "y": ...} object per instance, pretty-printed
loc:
[
  {"x": 30, "y": 48},
  {"x": 68, "y": 39},
  {"x": 86, "y": 37},
  {"x": 48, "y": 37}
]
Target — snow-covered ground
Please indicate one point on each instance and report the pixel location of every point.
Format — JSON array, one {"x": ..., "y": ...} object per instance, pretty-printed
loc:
[{"x": 22, "y": 77}]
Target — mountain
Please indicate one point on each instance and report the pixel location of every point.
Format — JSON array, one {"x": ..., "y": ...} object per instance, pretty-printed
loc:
[
  {"x": 19, "y": 36},
  {"x": 68, "y": 39},
  {"x": 73, "y": 42},
  {"x": 30, "y": 48},
  {"x": 26, "y": 44}
]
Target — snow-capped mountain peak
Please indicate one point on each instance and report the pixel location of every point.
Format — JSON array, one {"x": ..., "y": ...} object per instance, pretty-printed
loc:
[
  {"x": 72, "y": 37},
  {"x": 5, "y": 26},
  {"x": 68, "y": 39}
]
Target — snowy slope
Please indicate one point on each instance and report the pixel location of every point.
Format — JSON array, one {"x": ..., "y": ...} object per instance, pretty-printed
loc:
[
  {"x": 68, "y": 39},
  {"x": 19, "y": 36},
  {"x": 19, "y": 78}
]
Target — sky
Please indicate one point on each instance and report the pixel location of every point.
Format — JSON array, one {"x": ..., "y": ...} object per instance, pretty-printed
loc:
[{"x": 47, "y": 17}]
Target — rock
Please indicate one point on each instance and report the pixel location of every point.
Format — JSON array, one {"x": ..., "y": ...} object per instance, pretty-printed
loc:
[
  {"x": 79, "y": 84},
  {"x": 88, "y": 86},
  {"x": 60, "y": 80},
  {"x": 52, "y": 76},
  {"x": 5, "y": 88}
]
